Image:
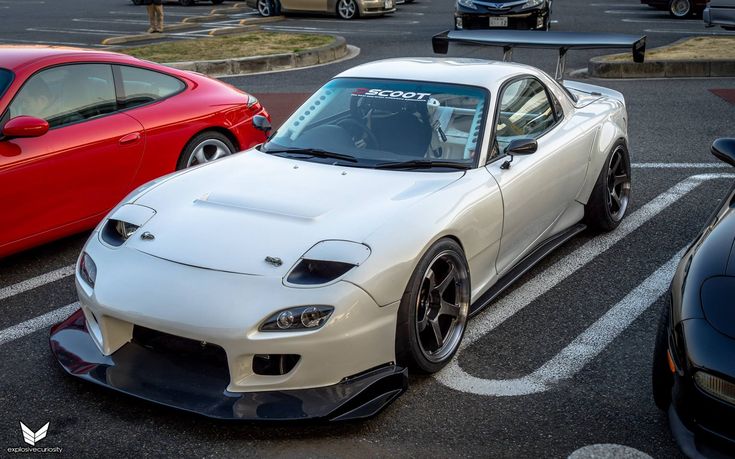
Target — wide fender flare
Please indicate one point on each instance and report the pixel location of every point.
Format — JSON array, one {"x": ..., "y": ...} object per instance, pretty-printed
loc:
[{"x": 612, "y": 130}]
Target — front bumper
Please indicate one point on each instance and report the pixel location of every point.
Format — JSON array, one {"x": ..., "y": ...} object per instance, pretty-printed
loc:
[
  {"x": 531, "y": 18},
  {"x": 377, "y": 7},
  {"x": 137, "y": 370},
  {"x": 702, "y": 424}
]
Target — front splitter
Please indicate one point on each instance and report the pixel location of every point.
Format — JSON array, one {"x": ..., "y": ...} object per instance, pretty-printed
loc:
[{"x": 136, "y": 370}]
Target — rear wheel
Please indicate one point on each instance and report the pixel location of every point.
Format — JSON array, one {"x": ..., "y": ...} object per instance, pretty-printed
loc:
[
  {"x": 347, "y": 9},
  {"x": 609, "y": 199},
  {"x": 661, "y": 378},
  {"x": 203, "y": 148},
  {"x": 680, "y": 8},
  {"x": 268, "y": 8},
  {"x": 434, "y": 308}
]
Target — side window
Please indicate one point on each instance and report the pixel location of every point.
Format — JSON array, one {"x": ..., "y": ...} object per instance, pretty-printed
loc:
[
  {"x": 524, "y": 111},
  {"x": 142, "y": 86},
  {"x": 67, "y": 94}
]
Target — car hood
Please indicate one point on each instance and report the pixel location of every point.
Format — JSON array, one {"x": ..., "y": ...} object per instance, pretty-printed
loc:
[{"x": 231, "y": 214}]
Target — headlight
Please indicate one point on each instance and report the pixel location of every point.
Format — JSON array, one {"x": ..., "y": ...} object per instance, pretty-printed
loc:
[
  {"x": 124, "y": 222},
  {"x": 467, "y": 4},
  {"x": 532, "y": 3},
  {"x": 716, "y": 387},
  {"x": 87, "y": 269},
  {"x": 300, "y": 318},
  {"x": 327, "y": 261}
]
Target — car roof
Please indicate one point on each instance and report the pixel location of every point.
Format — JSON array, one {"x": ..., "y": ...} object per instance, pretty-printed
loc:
[
  {"x": 15, "y": 57},
  {"x": 473, "y": 72}
]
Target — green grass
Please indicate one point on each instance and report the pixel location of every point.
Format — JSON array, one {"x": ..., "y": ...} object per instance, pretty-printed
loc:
[
  {"x": 704, "y": 48},
  {"x": 243, "y": 45}
]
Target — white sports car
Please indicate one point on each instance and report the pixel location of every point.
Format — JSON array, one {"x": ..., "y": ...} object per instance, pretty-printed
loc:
[{"x": 301, "y": 280}]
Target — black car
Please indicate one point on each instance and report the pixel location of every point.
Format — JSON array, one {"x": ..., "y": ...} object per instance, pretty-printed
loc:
[
  {"x": 514, "y": 14},
  {"x": 694, "y": 357}
]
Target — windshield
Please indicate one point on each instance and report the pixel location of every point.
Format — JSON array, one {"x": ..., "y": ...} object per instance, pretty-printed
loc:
[
  {"x": 378, "y": 123},
  {"x": 6, "y": 76}
]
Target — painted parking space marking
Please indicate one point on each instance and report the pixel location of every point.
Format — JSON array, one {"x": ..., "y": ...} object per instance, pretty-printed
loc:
[
  {"x": 645, "y": 13},
  {"x": 579, "y": 352},
  {"x": 608, "y": 451},
  {"x": 37, "y": 323},
  {"x": 454, "y": 377},
  {"x": 76, "y": 31},
  {"x": 680, "y": 165},
  {"x": 35, "y": 282},
  {"x": 702, "y": 32}
]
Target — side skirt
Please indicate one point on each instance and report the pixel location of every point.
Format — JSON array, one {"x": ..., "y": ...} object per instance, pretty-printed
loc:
[{"x": 528, "y": 262}]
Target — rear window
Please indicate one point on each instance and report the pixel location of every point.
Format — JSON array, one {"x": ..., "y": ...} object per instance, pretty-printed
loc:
[{"x": 6, "y": 76}]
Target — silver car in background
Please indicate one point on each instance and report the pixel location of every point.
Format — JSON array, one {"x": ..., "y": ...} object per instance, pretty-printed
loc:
[{"x": 720, "y": 13}]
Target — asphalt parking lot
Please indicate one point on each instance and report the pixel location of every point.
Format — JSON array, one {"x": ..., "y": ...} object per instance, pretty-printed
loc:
[{"x": 558, "y": 366}]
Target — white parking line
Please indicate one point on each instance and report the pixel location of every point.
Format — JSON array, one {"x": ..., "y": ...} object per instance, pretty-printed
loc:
[
  {"x": 37, "y": 323},
  {"x": 645, "y": 13},
  {"x": 37, "y": 281},
  {"x": 454, "y": 377},
  {"x": 608, "y": 451},
  {"x": 680, "y": 165},
  {"x": 76, "y": 31},
  {"x": 664, "y": 21},
  {"x": 702, "y": 32}
]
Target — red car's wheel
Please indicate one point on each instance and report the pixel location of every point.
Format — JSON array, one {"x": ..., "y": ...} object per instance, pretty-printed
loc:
[{"x": 205, "y": 147}]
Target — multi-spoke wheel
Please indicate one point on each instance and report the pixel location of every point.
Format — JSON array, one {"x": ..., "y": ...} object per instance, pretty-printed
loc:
[
  {"x": 347, "y": 9},
  {"x": 267, "y": 8},
  {"x": 608, "y": 202},
  {"x": 434, "y": 308},
  {"x": 680, "y": 8},
  {"x": 205, "y": 147}
]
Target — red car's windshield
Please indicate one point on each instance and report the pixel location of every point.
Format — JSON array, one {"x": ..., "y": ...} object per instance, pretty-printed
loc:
[{"x": 6, "y": 76}]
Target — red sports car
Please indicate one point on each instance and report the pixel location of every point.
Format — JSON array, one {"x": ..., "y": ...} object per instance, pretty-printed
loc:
[{"x": 79, "y": 129}]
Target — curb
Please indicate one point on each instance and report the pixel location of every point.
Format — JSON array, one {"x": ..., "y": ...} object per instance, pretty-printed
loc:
[
  {"x": 256, "y": 64},
  {"x": 191, "y": 23},
  {"x": 601, "y": 67}
]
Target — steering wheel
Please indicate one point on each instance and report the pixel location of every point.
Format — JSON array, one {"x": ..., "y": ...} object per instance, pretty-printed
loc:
[{"x": 359, "y": 133}]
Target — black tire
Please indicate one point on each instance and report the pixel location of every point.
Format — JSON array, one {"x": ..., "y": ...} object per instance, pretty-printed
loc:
[
  {"x": 427, "y": 296},
  {"x": 661, "y": 378},
  {"x": 680, "y": 9},
  {"x": 547, "y": 24},
  {"x": 347, "y": 9},
  {"x": 602, "y": 212},
  {"x": 213, "y": 145}
]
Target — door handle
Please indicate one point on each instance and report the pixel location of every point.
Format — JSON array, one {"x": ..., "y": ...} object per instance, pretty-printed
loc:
[{"x": 130, "y": 138}]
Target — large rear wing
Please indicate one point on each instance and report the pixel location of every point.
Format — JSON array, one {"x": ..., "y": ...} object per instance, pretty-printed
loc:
[{"x": 563, "y": 41}]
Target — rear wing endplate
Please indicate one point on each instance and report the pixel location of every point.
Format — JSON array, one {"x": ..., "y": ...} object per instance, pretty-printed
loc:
[{"x": 563, "y": 41}]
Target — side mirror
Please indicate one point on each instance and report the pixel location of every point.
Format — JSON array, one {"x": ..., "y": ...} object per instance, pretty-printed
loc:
[
  {"x": 25, "y": 126},
  {"x": 724, "y": 150},
  {"x": 261, "y": 123},
  {"x": 521, "y": 146}
]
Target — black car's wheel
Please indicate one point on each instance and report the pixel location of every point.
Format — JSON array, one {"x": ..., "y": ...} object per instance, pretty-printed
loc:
[
  {"x": 433, "y": 311},
  {"x": 203, "y": 148},
  {"x": 547, "y": 23},
  {"x": 680, "y": 8},
  {"x": 347, "y": 9},
  {"x": 610, "y": 196},
  {"x": 661, "y": 378}
]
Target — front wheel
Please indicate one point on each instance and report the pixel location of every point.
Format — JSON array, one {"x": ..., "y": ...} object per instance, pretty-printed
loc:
[
  {"x": 347, "y": 9},
  {"x": 608, "y": 202},
  {"x": 680, "y": 8},
  {"x": 434, "y": 308},
  {"x": 203, "y": 148}
]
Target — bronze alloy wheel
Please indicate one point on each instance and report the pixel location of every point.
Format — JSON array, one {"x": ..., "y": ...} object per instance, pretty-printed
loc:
[
  {"x": 442, "y": 306},
  {"x": 618, "y": 184}
]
